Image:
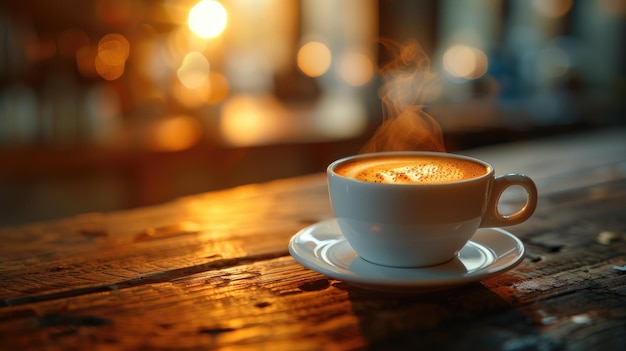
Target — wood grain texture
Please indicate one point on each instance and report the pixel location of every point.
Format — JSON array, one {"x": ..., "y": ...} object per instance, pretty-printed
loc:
[
  {"x": 212, "y": 271},
  {"x": 101, "y": 251},
  {"x": 565, "y": 295}
]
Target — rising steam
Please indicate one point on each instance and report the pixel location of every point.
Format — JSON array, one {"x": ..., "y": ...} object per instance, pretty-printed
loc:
[{"x": 406, "y": 127}]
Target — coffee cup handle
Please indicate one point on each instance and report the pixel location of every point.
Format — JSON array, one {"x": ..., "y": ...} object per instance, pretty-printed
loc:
[{"x": 493, "y": 217}]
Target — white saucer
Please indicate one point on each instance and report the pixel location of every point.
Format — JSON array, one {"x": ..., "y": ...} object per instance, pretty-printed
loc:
[{"x": 322, "y": 248}]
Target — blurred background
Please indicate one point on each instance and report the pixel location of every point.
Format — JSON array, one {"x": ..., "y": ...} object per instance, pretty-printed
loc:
[{"x": 113, "y": 104}]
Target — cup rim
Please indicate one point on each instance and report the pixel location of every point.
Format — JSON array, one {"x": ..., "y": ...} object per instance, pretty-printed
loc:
[{"x": 330, "y": 170}]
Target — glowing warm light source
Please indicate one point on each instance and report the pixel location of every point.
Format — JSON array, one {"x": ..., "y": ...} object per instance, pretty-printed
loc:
[
  {"x": 190, "y": 98},
  {"x": 465, "y": 62},
  {"x": 553, "y": 8},
  {"x": 108, "y": 72},
  {"x": 251, "y": 120},
  {"x": 175, "y": 134},
  {"x": 212, "y": 90},
  {"x": 207, "y": 18},
  {"x": 113, "y": 50},
  {"x": 194, "y": 70},
  {"x": 356, "y": 69},
  {"x": 314, "y": 59}
]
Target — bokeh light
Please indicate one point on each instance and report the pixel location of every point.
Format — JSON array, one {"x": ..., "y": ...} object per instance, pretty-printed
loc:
[
  {"x": 207, "y": 18},
  {"x": 314, "y": 59},
  {"x": 175, "y": 134},
  {"x": 251, "y": 120},
  {"x": 194, "y": 70},
  {"x": 189, "y": 98},
  {"x": 106, "y": 71},
  {"x": 356, "y": 69},
  {"x": 113, "y": 50},
  {"x": 461, "y": 61},
  {"x": 212, "y": 90}
]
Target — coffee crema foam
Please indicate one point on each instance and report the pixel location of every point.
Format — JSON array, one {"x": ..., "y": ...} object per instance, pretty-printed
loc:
[{"x": 411, "y": 170}]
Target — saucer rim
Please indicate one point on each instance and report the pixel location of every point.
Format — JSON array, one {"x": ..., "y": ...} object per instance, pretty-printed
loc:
[{"x": 515, "y": 255}]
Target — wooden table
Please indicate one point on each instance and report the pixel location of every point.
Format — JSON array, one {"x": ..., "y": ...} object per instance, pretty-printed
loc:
[{"x": 212, "y": 271}]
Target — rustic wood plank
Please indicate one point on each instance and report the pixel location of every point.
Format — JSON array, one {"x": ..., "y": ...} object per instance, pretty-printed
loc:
[
  {"x": 565, "y": 295},
  {"x": 278, "y": 303},
  {"x": 596, "y": 155},
  {"x": 102, "y": 251},
  {"x": 212, "y": 271},
  {"x": 101, "y": 242}
]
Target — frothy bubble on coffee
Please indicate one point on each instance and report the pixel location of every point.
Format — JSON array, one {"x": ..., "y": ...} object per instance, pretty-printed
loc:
[{"x": 411, "y": 170}]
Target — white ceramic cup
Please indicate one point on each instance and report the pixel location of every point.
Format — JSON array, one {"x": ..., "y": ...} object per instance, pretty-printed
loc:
[{"x": 418, "y": 225}]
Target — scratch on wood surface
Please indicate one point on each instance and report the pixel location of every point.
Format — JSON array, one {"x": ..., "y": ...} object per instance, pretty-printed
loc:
[
  {"x": 215, "y": 331},
  {"x": 181, "y": 228},
  {"x": 315, "y": 285},
  {"x": 262, "y": 304},
  {"x": 160, "y": 277},
  {"x": 72, "y": 320}
]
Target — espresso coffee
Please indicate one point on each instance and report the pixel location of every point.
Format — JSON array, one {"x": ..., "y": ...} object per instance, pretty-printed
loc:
[{"x": 411, "y": 169}]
